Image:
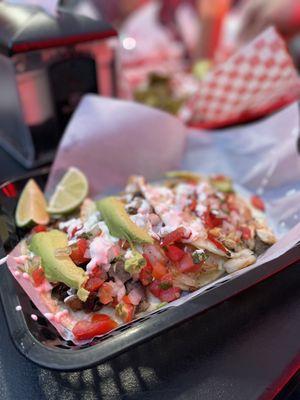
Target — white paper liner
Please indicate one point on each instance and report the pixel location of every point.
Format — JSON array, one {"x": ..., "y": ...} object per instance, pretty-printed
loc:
[
  {"x": 44, "y": 304},
  {"x": 111, "y": 139}
]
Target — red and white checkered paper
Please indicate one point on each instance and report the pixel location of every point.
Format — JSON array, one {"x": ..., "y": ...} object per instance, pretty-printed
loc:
[{"x": 258, "y": 79}]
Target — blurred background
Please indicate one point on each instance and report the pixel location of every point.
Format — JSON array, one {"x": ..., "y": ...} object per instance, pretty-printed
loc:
[
  {"x": 203, "y": 27},
  {"x": 185, "y": 38},
  {"x": 156, "y": 52}
]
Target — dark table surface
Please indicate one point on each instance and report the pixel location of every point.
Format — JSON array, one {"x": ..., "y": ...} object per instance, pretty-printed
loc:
[{"x": 246, "y": 348}]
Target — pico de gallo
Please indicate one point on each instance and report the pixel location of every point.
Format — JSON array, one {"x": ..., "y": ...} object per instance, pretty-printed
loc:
[{"x": 115, "y": 259}]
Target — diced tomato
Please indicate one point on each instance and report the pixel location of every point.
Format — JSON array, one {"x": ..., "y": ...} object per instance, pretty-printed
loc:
[
  {"x": 232, "y": 207},
  {"x": 231, "y": 203},
  {"x": 174, "y": 236},
  {"x": 125, "y": 311},
  {"x": 39, "y": 228},
  {"x": 155, "y": 288},
  {"x": 105, "y": 293},
  {"x": 84, "y": 330},
  {"x": 246, "y": 232},
  {"x": 153, "y": 253},
  {"x": 174, "y": 253},
  {"x": 258, "y": 203},
  {"x": 146, "y": 275},
  {"x": 170, "y": 294},
  {"x": 210, "y": 220},
  {"x": 38, "y": 276},
  {"x": 9, "y": 190},
  {"x": 114, "y": 303},
  {"x": 218, "y": 244},
  {"x": 126, "y": 299},
  {"x": 93, "y": 284},
  {"x": 73, "y": 232},
  {"x": 78, "y": 251},
  {"x": 186, "y": 264},
  {"x": 114, "y": 252},
  {"x": 100, "y": 317},
  {"x": 166, "y": 281},
  {"x": 193, "y": 203},
  {"x": 99, "y": 273},
  {"x": 220, "y": 177},
  {"x": 159, "y": 270}
]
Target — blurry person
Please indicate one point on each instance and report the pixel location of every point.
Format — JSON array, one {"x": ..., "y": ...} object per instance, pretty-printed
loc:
[
  {"x": 180, "y": 17},
  {"x": 210, "y": 15},
  {"x": 125, "y": 7},
  {"x": 256, "y": 15},
  {"x": 168, "y": 11}
]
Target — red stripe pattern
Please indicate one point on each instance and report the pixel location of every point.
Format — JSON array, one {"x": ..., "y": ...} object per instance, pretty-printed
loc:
[{"x": 258, "y": 79}]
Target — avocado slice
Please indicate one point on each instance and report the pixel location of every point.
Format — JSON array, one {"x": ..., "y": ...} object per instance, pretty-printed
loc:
[
  {"x": 222, "y": 183},
  {"x": 184, "y": 175},
  {"x": 58, "y": 269},
  {"x": 119, "y": 223}
]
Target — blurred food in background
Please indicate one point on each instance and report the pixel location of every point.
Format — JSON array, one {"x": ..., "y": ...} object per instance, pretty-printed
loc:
[
  {"x": 166, "y": 47},
  {"x": 159, "y": 93}
]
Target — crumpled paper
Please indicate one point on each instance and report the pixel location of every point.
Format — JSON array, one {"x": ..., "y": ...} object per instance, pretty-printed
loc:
[{"x": 111, "y": 139}]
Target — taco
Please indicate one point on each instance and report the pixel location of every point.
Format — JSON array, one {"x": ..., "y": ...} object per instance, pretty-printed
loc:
[{"x": 112, "y": 260}]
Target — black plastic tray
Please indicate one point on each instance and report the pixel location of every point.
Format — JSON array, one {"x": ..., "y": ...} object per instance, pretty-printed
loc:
[{"x": 39, "y": 341}]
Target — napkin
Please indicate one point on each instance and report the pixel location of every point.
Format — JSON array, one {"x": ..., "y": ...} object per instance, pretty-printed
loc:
[
  {"x": 110, "y": 140},
  {"x": 256, "y": 80}
]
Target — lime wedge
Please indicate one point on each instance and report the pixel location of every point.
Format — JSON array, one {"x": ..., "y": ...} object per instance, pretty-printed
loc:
[
  {"x": 69, "y": 193},
  {"x": 31, "y": 206}
]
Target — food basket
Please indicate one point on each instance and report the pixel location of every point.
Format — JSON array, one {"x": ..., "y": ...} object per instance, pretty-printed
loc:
[{"x": 39, "y": 341}]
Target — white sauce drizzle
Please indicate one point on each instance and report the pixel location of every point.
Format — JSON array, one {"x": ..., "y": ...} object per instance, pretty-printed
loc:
[
  {"x": 102, "y": 249},
  {"x": 169, "y": 205}
]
